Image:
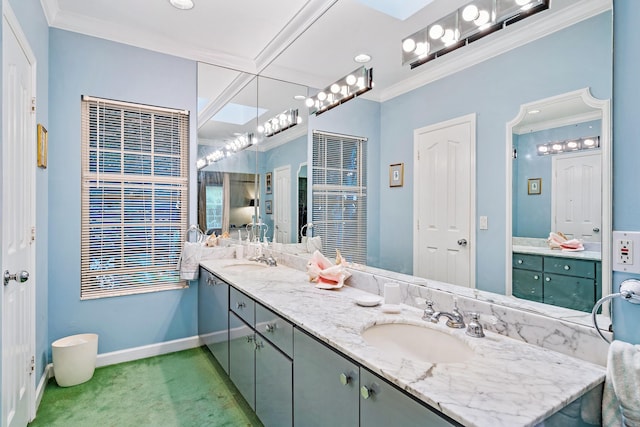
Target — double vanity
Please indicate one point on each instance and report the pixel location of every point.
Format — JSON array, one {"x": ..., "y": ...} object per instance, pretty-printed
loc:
[{"x": 305, "y": 356}]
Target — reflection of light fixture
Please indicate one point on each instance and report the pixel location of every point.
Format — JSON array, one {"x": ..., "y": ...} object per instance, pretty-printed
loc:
[
  {"x": 469, "y": 23},
  {"x": 533, "y": 112},
  {"x": 568, "y": 146},
  {"x": 182, "y": 4},
  {"x": 362, "y": 58},
  {"x": 350, "y": 86},
  {"x": 240, "y": 143},
  {"x": 280, "y": 122}
]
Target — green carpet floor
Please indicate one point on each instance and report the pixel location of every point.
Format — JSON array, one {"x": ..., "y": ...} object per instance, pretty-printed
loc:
[{"x": 187, "y": 388}]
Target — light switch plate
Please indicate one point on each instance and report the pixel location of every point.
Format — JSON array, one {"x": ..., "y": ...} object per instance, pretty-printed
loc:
[
  {"x": 484, "y": 223},
  {"x": 626, "y": 245}
]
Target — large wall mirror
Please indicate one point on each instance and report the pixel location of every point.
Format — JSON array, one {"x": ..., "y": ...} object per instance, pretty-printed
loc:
[{"x": 562, "y": 50}]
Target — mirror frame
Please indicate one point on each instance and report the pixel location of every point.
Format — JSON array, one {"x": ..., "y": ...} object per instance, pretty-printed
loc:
[{"x": 606, "y": 149}]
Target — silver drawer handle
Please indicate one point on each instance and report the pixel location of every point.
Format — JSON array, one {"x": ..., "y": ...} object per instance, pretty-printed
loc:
[
  {"x": 259, "y": 345},
  {"x": 211, "y": 281},
  {"x": 270, "y": 327},
  {"x": 249, "y": 338},
  {"x": 240, "y": 305}
]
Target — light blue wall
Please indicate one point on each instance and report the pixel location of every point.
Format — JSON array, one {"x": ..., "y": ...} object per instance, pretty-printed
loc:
[
  {"x": 292, "y": 153},
  {"x": 85, "y": 65},
  {"x": 626, "y": 150},
  {"x": 493, "y": 90},
  {"x": 533, "y": 215},
  {"x": 358, "y": 117},
  {"x": 34, "y": 25}
]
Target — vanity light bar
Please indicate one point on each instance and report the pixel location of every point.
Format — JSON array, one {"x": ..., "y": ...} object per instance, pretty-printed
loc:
[
  {"x": 240, "y": 143},
  {"x": 568, "y": 146},
  {"x": 353, "y": 84},
  {"x": 280, "y": 123},
  {"x": 467, "y": 24}
]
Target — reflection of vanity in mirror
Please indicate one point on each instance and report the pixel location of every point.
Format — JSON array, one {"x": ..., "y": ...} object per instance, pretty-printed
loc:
[
  {"x": 562, "y": 145},
  {"x": 492, "y": 85}
]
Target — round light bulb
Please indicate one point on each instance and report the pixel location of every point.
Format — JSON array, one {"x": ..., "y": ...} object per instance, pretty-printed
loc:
[
  {"x": 543, "y": 149},
  {"x": 470, "y": 13},
  {"x": 436, "y": 31},
  {"x": 322, "y": 96},
  {"x": 309, "y": 102},
  {"x": 351, "y": 80},
  {"x": 261, "y": 129},
  {"x": 299, "y": 120},
  {"x": 408, "y": 45},
  {"x": 182, "y": 4},
  {"x": 335, "y": 88},
  {"x": 522, "y": 2},
  {"x": 572, "y": 144},
  {"x": 449, "y": 36},
  {"x": 422, "y": 48},
  {"x": 557, "y": 147},
  {"x": 589, "y": 142},
  {"x": 483, "y": 18}
]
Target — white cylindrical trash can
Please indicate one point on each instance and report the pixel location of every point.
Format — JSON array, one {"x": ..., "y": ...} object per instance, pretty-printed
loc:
[{"x": 74, "y": 359}]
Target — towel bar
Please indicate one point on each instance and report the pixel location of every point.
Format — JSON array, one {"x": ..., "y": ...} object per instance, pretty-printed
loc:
[{"x": 629, "y": 290}]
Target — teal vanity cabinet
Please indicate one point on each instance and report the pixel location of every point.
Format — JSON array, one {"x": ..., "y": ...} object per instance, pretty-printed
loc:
[
  {"x": 382, "y": 404},
  {"x": 561, "y": 281},
  {"x": 325, "y": 385},
  {"x": 213, "y": 316},
  {"x": 258, "y": 367}
]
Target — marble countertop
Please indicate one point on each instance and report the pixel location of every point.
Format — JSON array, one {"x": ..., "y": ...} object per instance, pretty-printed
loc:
[
  {"x": 535, "y": 250},
  {"x": 506, "y": 382}
]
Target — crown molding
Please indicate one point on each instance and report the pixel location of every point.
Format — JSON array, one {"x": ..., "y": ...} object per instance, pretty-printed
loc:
[
  {"x": 483, "y": 49},
  {"x": 556, "y": 123},
  {"x": 51, "y": 9}
]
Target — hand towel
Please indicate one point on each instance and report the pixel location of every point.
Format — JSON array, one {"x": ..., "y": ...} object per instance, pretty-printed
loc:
[
  {"x": 621, "y": 397},
  {"x": 189, "y": 261}
]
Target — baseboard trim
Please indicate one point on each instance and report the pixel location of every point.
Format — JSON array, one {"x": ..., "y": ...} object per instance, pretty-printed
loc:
[
  {"x": 135, "y": 353},
  {"x": 42, "y": 384}
]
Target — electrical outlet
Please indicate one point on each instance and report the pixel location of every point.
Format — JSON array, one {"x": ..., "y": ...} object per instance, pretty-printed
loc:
[{"x": 624, "y": 256}]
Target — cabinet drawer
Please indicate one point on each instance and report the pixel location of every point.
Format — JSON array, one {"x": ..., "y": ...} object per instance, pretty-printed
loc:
[
  {"x": 242, "y": 305},
  {"x": 527, "y": 262},
  {"x": 527, "y": 285},
  {"x": 570, "y": 267},
  {"x": 275, "y": 329},
  {"x": 570, "y": 292}
]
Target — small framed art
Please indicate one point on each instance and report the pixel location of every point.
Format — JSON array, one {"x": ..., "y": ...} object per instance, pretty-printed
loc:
[
  {"x": 42, "y": 146},
  {"x": 267, "y": 183},
  {"x": 268, "y": 207},
  {"x": 534, "y": 186},
  {"x": 396, "y": 175}
]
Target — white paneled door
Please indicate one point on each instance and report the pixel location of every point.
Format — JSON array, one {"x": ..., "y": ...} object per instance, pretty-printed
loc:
[
  {"x": 282, "y": 204},
  {"x": 577, "y": 196},
  {"x": 18, "y": 207},
  {"x": 443, "y": 201}
]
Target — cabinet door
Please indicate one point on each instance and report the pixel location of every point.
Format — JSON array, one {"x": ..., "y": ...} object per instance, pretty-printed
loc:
[
  {"x": 274, "y": 393},
  {"x": 570, "y": 267},
  {"x": 325, "y": 385},
  {"x": 570, "y": 292},
  {"x": 242, "y": 305},
  {"x": 213, "y": 316},
  {"x": 241, "y": 358},
  {"x": 527, "y": 284},
  {"x": 381, "y": 404}
]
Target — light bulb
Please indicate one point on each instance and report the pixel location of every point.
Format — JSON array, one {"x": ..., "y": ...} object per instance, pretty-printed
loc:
[
  {"x": 408, "y": 45},
  {"x": 470, "y": 13},
  {"x": 309, "y": 102},
  {"x": 589, "y": 142},
  {"x": 335, "y": 88},
  {"x": 182, "y": 4},
  {"x": 543, "y": 149},
  {"x": 422, "y": 48},
  {"x": 449, "y": 37},
  {"x": 522, "y": 2},
  {"x": 322, "y": 96},
  {"x": 557, "y": 147},
  {"x": 261, "y": 129},
  {"x": 436, "y": 31},
  {"x": 299, "y": 120},
  {"x": 572, "y": 144},
  {"x": 351, "y": 79},
  {"x": 483, "y": 18}
]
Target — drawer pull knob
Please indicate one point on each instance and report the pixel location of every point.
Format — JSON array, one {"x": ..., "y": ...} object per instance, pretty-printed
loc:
[
  {"x": 536, "y": 277},
  {"x": 249, "y": 338},
  {"x": 566, "y": 267},
  {"x": 240, "y": 305},
  {"x": 345, "y": 378},
  {"x": 270, "y": 327},
  {"x": 520, "y": 261},
  {"x": 548, "y": 279},
  {"x": 366, "y": 392}
]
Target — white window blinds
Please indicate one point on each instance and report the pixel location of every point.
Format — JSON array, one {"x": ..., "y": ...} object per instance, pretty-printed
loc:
[
  {"x": 339, "y": 194},
  {"x": 134, "y": 197}
]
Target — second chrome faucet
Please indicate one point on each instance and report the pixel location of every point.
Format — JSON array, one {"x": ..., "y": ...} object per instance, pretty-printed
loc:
[{"x": 454, "y": 319}]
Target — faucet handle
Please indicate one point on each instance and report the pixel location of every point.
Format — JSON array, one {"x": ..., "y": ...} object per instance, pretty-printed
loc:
[
  {"x": 474, "y": 328},
  {"x": 428, "y": 311}
]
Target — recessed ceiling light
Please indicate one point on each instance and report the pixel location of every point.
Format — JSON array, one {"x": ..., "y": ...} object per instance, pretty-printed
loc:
[
  {"x": 299, "y": 97},
  {"x": 534, "y": 112},
  {"x": 182, "y": 4},
  {"x": 362, "y": 58}
]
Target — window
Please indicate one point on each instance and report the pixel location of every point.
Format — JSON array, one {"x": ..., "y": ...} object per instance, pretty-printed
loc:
[
  {"x": 339, "y": 194},
  {"x": 134, "y": 197}
]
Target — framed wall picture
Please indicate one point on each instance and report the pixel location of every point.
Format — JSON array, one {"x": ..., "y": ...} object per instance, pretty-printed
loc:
[
  {"x": 42, "y": 146},
  {"x": 268, "y": 207},
  {"x": 534, "y": 186},
  {"x": 396, "y": 175},
  {"x": 267, "y": 183}
]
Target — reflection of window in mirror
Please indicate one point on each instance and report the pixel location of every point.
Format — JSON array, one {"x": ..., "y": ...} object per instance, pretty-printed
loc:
[{"x": 214, "y": 206}]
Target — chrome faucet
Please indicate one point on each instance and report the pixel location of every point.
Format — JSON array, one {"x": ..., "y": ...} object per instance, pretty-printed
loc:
[
  {"x": 270, "y": 261},
  {"x": 454, "y": 319}
]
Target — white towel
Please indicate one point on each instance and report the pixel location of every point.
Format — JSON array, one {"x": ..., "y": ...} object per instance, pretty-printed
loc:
[
  {"x": 189, "y": 262},
  {"x": 621, "y": 397}
]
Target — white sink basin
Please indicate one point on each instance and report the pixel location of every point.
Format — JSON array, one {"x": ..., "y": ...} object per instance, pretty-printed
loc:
[
  {"x": 246, "y": 266},
  {"x": 417, "y": 343}
]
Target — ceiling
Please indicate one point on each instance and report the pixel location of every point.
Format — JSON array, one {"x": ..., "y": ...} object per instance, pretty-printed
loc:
[{"x": 311, "y": 43}]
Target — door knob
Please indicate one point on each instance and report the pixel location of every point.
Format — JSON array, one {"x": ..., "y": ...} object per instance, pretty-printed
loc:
[
  {"x": 462, "y": 242},
  {"x": 21, "y": 277},
  {"x": 596, "y": 230}
]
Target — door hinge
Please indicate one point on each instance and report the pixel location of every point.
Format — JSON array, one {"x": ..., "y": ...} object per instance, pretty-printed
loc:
[
  {"x": 33, "y": 104},
  {"x": 32, "y": 365},
  {"x": 418, "y": 154},
  {"x": 33, "y": 234},
  {"x": 418, "y": 225}
]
